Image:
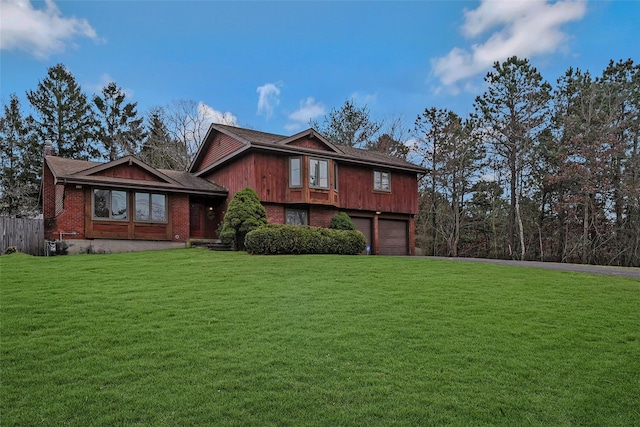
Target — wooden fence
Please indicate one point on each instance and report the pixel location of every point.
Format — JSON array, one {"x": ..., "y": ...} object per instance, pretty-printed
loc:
[{"x": 27, "y": 235}]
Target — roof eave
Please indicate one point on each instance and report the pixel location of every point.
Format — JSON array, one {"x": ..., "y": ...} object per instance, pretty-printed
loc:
[{"x": 141, "y": 185}]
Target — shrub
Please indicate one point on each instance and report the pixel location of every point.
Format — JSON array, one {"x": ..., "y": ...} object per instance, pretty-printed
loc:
[
  {"x": 294, "y": 239},
  {"x": 244, "y": 213},
  {"x": 342, "y": 221},
  {"x": 11, "y": 250}
]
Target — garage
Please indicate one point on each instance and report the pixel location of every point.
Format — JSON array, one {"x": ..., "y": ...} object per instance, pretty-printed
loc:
[
  {"x": 394, "y": 237},
  {"x": 363, "y": 225}
]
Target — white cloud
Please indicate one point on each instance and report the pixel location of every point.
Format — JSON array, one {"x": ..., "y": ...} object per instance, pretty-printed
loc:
[
  {"x": 522, "y": 28},
  {"x": 40, "y": 32},
  {"x": 268, "y": 98},
  {"x": 309, "y": 109},
  {"x": 366, "y": 99},
  {"x": 210, "y": 115}
]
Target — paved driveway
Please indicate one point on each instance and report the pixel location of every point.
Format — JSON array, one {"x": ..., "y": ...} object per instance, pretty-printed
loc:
[{"x": 631, "y": 272}]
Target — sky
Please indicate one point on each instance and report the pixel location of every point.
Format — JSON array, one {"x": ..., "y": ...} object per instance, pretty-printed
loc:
[{"x": 275, "y": 65}]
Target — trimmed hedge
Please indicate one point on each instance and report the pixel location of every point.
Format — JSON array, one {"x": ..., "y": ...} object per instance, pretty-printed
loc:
[{"x": 275, "y": 239}]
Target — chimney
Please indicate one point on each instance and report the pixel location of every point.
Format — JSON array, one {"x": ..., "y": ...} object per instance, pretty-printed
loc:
[{"x": 48, "y": 148}]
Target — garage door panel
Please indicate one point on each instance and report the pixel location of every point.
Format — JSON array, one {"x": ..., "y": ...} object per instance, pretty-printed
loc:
[
  {"x": 363, "y": 225},
  {"x": 394, "y": 237}
]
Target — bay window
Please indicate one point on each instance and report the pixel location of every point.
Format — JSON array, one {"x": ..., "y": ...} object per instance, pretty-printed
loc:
[
  {"x": 295, "y": 172},
  {"x": 318, "y": 173}
]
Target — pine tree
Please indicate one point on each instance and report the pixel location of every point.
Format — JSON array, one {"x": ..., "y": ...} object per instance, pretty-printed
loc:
[
  {"x": 513, "y": 112},
  {"x": 349, "y": 125},
  {"x": 63, "y": 114},
  {"x": 159, "y": 149},
  {"x": 120, "y": 130},
  {"x": 20, "y": 162}
]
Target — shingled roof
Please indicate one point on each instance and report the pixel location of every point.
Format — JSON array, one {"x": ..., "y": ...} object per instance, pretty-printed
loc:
[
  {"x": 77, "y": 172},
  {"x": 264, "y": 140}
]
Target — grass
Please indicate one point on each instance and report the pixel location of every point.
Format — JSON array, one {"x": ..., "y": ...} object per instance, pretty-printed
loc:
[{"x": 192, "y": 337}]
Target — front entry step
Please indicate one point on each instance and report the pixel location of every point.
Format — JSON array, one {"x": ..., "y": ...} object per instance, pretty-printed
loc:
[
  {"x": 214, "y": 245},
  {"x": 218, "y": 246}
]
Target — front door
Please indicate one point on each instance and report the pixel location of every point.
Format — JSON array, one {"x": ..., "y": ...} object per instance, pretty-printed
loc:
[{"x": 196, "y": 214}]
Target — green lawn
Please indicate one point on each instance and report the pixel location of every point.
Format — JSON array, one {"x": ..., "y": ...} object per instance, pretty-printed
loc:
[{"x": 193, "y": 337}]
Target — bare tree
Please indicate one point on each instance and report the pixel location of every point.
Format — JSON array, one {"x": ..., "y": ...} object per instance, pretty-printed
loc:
[{"x": 188, "y": 122}]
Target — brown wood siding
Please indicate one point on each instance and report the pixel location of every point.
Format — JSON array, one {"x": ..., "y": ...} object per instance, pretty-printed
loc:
[
  {"x": 235, "y": 175},
  {"x": 268, "y": 175},
  {"x": 128, "y": 172},
  {"x": 355, "y": 190},
  {"x": 271, "y": 176},
  {"x": 310, "y": 143},
  {"x": 221, "y": 146}
]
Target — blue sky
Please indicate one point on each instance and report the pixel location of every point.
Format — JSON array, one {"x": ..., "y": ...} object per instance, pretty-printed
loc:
[{"x": 272, "y": 66}]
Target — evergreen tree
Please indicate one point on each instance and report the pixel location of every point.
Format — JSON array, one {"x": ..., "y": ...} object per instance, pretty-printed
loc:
[
  {"x": 349, "y": 125},
  {"x": 120, "y": 130},
  {"x": 513, "y": 112},
  {"x": 63, "y": 114},
  {"x": 159, "y": 149},
  {"x": 20, "y": 162},
  {"x": 244, "y": 213}
]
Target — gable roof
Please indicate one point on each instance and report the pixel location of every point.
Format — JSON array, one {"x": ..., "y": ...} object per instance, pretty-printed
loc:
[
  {"x": 280, "y": 143},
  {"x": 70, "y": 171}
]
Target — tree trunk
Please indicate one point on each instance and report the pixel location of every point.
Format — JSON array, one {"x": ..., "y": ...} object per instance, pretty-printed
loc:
[
  {"x": 520, "y": 228},
  {"x": 585, "y": 231}
]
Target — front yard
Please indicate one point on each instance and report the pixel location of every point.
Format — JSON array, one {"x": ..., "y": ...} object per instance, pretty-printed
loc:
[{"x": 192, "y": 337}]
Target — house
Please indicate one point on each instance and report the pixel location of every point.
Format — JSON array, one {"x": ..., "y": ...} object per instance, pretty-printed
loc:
[{"x": 301, "y": 179}]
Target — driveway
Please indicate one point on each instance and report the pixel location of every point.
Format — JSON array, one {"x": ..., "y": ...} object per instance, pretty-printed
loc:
[{"x": 631, "y": 272}]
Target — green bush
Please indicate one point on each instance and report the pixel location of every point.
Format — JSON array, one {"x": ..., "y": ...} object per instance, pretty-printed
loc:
[
  {"x": 244, "y": 213},
  {"x": 342, "y": 221},
  {"x": 294, "y": 239},
  {"x": 11, "y": 250}
]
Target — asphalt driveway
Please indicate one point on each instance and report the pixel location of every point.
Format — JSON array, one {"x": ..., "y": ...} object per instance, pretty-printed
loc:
[{"x": 631, "y": 272}]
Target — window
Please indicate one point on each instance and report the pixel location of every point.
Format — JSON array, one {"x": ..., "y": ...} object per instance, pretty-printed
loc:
[
  {"x": 295, "y": 172},
  {"x": 296, "y": 217},
  {"x": 151, "y": 207},
  {"x": 335, "y": 176},
  {"x": 110, "y": 204},
  {"x": 318, "y": 173},
  {"x": 381, "y": 181}
]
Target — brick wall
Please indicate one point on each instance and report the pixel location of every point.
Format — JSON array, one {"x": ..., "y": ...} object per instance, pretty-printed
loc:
[
  {"x": 71, "y": 216},
  {"x": 180, "y": 217},
  {"x": 275, "y": 214},
  {"x": 48, "y": 203},
  {"x": 320, "y": 216}
]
